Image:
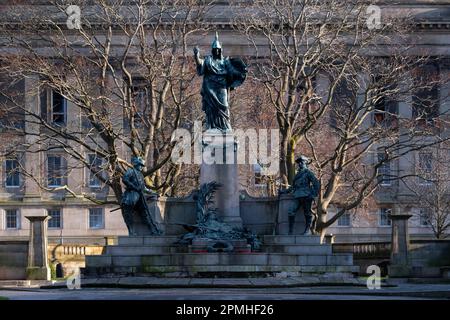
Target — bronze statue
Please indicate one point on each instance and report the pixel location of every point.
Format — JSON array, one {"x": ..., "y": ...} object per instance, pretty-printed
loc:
[
  {"x": 133, "y": 199},
  {"x": 305, "y": 188},
  {"x": 209, "y": 226},
  {"x": 219, "y": 76}
]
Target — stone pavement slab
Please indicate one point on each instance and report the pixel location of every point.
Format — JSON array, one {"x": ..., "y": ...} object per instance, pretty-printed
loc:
[{"x": 165, "y": 282}]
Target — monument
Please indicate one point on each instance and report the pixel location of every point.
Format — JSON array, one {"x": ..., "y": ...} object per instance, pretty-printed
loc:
[
  {"x": 214, "y": 232},
  {"x": 220, "y": 76}
]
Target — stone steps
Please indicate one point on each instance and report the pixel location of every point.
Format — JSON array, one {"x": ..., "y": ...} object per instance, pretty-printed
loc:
[
  {"x": 144, "y": 250},
  {"x": 307, "y": 249},
  {"x": 162, "y": 257},
  {"x": 149, "y": 249},
  {"x": 291, "y": 240},
  {"x": 147, "y": 240},
  {"x": 170, "y": 240},
  {"x": 218, "y": 259},
  {"x": 236, "y": 270}
]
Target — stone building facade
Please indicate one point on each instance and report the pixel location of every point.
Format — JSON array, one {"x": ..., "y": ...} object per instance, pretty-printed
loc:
[{"x": 77, "y": 219}]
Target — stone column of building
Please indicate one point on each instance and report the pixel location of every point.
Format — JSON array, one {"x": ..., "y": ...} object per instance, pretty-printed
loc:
[
  {"x": 33, "y": 160},
  {"x": 399, "y": 263},
  {"x": 38, "y": 268},
  {"x": 219, "y": 164}
]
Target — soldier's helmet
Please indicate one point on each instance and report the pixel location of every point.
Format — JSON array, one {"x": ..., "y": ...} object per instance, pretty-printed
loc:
[
  {"x": 302, "y": 159},
  {"x": 137, "y": 161},
  {"x": 216, "y": 44}
]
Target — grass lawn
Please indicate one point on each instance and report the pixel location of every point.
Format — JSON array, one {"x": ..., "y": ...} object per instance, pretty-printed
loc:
[{"x": 3, "y": 298}]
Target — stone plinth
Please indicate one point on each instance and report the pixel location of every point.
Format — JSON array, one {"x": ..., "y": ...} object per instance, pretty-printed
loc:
[
  {"x": 219, "y": 163},
  {"x": 140, "y": 227},
  {"x": 38, "y": 268},
  {"x": 203, "y": 245},
  {"x": 287, "y": 203},
  {"x": 399, "y": 264}
]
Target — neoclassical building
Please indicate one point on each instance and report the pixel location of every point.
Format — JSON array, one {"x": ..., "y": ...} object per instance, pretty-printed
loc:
[{"x": 81, "y": 220}]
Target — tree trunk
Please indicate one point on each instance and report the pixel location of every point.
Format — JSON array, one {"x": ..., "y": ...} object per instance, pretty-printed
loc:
[
  {"x": 321, "y": 225},
  {"x": 283, "y": 159},
  {"x": 290, "y": 160}
]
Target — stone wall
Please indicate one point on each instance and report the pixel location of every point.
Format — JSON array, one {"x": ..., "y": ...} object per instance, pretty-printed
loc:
[
  {"x": 428, "y": 256},
  {"x": 259, "y": 214},
  {"x": 13, "y": 260}
]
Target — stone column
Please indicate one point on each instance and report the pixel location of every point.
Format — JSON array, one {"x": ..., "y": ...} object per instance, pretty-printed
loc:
[
  {"x": 34, "y": 160},
  {"x": 219, "y": 163},
  {"x": 399, "y": 264},
  {"x": 38, "y": 268}
]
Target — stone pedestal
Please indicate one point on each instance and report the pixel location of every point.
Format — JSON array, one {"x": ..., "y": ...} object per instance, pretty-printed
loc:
[
  {"x": 399, "y": 264},
  {"x": 140, "y": 227},
  {"x": 285, "y": 204},
  {"x": 38, "y": 268},
  {"x": 219, "y": 163}
]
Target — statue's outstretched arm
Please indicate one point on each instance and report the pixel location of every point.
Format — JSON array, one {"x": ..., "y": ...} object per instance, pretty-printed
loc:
[{"x": 199, "y": 62}]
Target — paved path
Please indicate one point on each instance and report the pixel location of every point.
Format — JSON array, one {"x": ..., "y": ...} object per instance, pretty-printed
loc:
[{"x": 410, "y": 292}]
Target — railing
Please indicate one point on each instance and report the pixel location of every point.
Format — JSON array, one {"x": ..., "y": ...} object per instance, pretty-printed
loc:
[
  {"x": 74, "y": 250},
  {"x": 62, "y": 251},
  {"x": 364, "y": 249}
]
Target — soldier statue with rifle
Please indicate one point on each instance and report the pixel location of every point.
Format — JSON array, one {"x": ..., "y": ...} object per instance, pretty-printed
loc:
[
  {"x": 305, "y": 189},
  {"x": 133, "y": 199}
]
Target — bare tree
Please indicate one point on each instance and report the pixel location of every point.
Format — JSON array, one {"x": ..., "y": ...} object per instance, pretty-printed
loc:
[
  {"x": 336, "y": 87},
  {"x": 124, "y": 74},
  {"x": 430, "y": 188}
]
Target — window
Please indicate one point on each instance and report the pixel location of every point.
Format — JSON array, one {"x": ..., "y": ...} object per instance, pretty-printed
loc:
[
  {"x": 59, "y": 109},
  {"x": 384, "y": 220},
  {"x": 344, "y": 99},
  {"x": 385, "y": 113},
  {"x": 96, "y": 218},
  {"x": 141, "y": 100},
  {"x": 425, "y": 167},
  {"x": 12, "y": 219},
  {"x": 95, "y": 170},
  {"x": 55, "y": 222},
  {"x": 384, "y": 171},
  {"x": 424, "y": 217},
  {"x": 12, "y": 173},
  {"x": 344, "y": 220},
  {"x": 56, "y": 168},
  {"x": 386, "y": 108},
  {"x": 425, "y": 106}
]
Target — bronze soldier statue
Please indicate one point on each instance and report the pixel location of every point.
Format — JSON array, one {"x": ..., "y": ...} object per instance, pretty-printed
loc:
[
  {"x": 133, "y": 198},
  {"x": 305, "y": 188}
]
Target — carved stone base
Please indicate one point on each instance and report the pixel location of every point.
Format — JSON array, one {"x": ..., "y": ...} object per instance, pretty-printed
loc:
[
  {"x": 140, "y": 228},
  {"x": 204, "y": 245},
  {"x": 287, "y": 203},
  {"x": 220, "y": 164}
]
